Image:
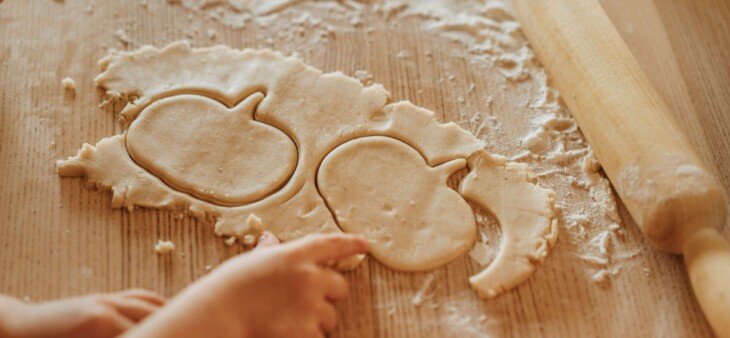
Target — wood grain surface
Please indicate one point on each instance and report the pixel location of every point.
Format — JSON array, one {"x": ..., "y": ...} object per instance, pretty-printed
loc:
[{"x": 59, "y": 238}]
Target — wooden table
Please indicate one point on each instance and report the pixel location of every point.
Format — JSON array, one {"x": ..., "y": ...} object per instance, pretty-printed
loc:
[{"x": 60, "y": 239}]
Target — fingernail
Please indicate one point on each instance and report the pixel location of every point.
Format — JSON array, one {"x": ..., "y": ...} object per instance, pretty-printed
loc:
[{"x": 263, "y": 236}]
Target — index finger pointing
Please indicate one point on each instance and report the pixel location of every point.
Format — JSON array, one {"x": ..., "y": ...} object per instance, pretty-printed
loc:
[{"x": 330, "y": 247}]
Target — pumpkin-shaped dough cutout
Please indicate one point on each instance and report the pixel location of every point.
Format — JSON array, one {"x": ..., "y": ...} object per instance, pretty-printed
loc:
[
  {"x": 383, "y": 189},
  {"x": 198, "y": 146}
]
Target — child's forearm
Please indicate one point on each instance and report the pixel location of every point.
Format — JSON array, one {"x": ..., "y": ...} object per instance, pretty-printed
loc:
[
  {"x": 9, "y": 306},
  {"x": 196, "y": 312}
]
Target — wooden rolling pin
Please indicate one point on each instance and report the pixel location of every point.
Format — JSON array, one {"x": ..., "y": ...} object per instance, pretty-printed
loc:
[{"x": 671, "y": 194}]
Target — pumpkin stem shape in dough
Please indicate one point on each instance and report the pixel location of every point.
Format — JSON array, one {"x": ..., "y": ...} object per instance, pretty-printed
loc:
[
  {"x": 383, "y": 189},
  {"x": 525, "y": 212},
  {"x": 198, "y": 146}
]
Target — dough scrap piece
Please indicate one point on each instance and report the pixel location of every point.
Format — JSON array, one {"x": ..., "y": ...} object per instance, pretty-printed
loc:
[
  {"x": 69, "y": 84},
  {"x": 525, "y": 212},
  {"x": 197, "y": 146},
  {"x": 383, "y": 189},
  {"x": 164, "y": 247},
  {"x": 318, "y": 111}
]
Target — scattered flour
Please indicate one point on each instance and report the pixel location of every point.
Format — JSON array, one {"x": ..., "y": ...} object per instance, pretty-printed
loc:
[
  {"x": 86, "y": 272},
  {"x": 163, "y": 247},
  {"x": 121, "y": 34},
  {"x": 364, "y": 76},
  {"x": 211, "y": 33},
  {"x": 421, "y": 294},
  {"x": 249, "y": 240},
  {"x": 482, "y": 254},
  {"x": 69, "y": 84},
  {"x": 230, "y": 241},
  {"x": 404, "y": 54}
]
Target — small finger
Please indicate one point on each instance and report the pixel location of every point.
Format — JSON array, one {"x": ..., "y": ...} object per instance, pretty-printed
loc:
[
  {"x": 133, "y": 309},
  {"x": 145, "y": 295},
  {"x": 325, "y": 248},
  {"x": 327, "y": 317},
  {"x": 266, "y": 239},
  {"x": 335, "y": 284},
  {"x": 117, "y": 324}
]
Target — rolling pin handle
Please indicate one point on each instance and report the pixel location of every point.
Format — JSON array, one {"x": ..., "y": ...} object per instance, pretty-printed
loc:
[{"x": 707, "y": 255}]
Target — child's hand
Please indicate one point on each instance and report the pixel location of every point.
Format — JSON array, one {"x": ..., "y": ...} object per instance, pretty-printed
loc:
[
  {"x": 275, "y": 291},
  {"x": 103, "y": 315}
]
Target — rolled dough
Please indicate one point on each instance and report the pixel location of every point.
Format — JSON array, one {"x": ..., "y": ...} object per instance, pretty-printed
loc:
[{"x": 200, "y": 142}]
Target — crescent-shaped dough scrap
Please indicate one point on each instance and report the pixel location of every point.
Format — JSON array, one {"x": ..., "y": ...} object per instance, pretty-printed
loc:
[{"x": 525, "y": 212}]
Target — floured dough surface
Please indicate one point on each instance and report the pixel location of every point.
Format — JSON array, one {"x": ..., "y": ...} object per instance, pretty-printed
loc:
[
  {"x": 223, "y": 134},
  {"x": 383, "y": 189}
]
